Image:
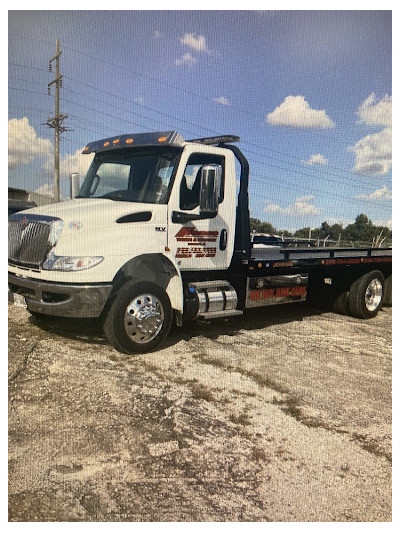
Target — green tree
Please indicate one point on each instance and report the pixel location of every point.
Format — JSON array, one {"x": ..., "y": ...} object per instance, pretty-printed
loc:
[
  {"x": 262, "y": 227},
  {"x": 304, "y": 233},
  {"x": 332, "y": 232},
  {"x": 336, "y": 231},
  {"x": 361, "y": 231}
]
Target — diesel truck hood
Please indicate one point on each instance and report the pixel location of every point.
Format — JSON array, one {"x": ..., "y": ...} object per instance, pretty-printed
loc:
[{"x": 96, "y": 213}]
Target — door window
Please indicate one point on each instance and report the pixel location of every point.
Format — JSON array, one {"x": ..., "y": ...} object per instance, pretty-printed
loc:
[{"x": 189, "y": 197}]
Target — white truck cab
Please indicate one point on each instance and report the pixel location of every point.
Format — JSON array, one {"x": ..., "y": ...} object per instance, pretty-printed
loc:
[{"x": 150, "y": 207}]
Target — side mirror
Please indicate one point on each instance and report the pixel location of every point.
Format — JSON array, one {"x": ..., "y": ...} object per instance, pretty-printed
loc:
[
  {"x": 75, "y": 184},
  {"x": 210, "y": 186}
]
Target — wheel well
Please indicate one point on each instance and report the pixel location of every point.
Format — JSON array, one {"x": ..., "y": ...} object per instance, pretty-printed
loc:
[{"x": 154, "y": 268}]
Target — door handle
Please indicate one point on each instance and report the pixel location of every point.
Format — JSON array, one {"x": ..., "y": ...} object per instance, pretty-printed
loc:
[{"x": 223, "y": 239}]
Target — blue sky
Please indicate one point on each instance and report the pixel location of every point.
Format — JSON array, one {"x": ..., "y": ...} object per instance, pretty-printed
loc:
[{"x": 308, "y": 92}]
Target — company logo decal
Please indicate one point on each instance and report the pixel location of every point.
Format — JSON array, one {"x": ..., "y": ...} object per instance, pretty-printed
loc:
[
  {"x": 196, "y": 243},
  {"x": 281, "y": 292},
  {"x": 24, "y": 222}
]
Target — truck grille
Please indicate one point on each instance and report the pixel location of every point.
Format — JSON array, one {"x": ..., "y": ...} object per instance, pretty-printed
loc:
[{"x": 30, "y": 238}]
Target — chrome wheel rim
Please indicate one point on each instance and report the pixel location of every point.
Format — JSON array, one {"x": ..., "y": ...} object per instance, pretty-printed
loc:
[
  {"x": 373, "y": 294},
  {"x": 144, "y": 318}
]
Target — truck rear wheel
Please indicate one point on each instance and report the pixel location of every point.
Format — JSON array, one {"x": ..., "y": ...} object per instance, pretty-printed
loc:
[
  {"x": 366, "y": 295},
  {"x": 139, "y": 318}
]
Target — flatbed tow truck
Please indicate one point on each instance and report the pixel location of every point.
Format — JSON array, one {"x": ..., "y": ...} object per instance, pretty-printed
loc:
[{"x": 159, "y": 234}]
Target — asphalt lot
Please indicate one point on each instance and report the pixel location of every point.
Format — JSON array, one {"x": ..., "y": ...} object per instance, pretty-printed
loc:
[{"x": 282, "y": 415}]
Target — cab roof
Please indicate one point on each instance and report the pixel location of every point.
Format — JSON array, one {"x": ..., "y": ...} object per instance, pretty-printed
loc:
[{"x": 166, "y": 138}]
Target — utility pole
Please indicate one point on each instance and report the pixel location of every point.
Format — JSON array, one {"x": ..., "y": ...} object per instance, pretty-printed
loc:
[{"x": 56, "y": 121}]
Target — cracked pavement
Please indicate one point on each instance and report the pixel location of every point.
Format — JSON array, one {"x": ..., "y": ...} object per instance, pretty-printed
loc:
[{"x": 282, "y": 415}]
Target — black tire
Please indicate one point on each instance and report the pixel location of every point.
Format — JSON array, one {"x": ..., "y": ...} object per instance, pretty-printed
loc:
[
  {"x": 366, "y": 295},
  {"x": 139, "y": 318},
  {"x": 387, "y": 299},
  {"x": 321, "y": 296},
  {"x": 340, "y": 303}
]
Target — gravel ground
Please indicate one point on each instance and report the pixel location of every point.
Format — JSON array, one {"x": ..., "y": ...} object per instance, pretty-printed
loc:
[{"x": 282, "y": 415}]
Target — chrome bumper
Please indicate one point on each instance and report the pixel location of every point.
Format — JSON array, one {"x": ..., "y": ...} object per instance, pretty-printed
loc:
[{"x": 85, "y": 301}]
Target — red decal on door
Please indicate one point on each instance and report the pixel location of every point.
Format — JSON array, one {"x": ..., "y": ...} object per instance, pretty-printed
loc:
[
  {"x": 195, "y": 236},
  {"x": 195, "y": 242}
]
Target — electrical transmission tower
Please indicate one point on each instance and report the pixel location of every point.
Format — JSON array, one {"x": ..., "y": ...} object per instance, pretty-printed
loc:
[{"x": 56, "y": 121}]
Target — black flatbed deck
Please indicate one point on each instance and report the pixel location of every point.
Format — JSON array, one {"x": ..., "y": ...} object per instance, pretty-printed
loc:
[
  {"x": 286, "y": 260},
  {"x": 276, "y": 253}
]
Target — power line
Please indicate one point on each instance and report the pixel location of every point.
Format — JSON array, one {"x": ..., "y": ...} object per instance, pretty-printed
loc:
[
  {"x": 329, "y": 179},
  {"x": 368, "y": 177},
  {"x": 278, "y": 181}
]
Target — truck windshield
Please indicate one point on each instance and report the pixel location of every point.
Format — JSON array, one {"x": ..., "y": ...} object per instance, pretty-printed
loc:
[{"x": 142, "y": 176}]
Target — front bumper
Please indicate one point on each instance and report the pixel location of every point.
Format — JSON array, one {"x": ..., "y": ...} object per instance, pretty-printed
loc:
[{"x": 67, "y": 300}]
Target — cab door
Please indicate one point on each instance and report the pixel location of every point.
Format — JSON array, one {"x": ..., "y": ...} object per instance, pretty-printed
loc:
[{"x": 202, "y": 244}]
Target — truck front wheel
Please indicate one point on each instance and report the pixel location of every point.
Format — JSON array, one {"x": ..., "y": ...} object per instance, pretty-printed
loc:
[
  {"x": 139, "y": 318},
  {"x": 366, "y": 295}
]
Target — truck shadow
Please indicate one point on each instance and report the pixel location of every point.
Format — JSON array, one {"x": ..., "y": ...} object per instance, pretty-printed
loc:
[
  {"x": 89, "y": 330},
  {"x": 83, "y": 329},
  {"x": 252, "y": 319}
]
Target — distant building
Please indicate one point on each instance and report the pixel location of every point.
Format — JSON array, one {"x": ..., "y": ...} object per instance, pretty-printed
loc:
[{"x": 19, "y": 199}]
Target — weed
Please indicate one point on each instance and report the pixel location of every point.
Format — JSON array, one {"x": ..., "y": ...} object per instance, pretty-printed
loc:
[
  {"x": 258, "y": 454},
  {"x": 199, "y": 392},
  {"x": 241, "y": 419},
  {"x": 371, "y": 446}
]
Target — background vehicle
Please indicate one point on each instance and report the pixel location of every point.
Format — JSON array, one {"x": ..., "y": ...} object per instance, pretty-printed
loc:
[{"x": 157, "y": 235}]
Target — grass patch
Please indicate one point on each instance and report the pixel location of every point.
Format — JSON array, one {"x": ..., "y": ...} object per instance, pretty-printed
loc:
[
  {"x": 207, "y": 360},
  {"x": 199, "y": 392},
  {"x": 261, "y": 380},
  {"x": 371, "y": 446},
  {"x": 258, "y": 454},
  {"x": 242, "y": 419}
]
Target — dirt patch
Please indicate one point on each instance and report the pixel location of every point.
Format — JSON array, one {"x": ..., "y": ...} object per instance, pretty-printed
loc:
[{"x": 281, "y": 415}]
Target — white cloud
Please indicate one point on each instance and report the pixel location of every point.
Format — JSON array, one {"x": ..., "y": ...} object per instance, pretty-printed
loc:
[
  {"x": 157, "y": 34},
  {"x": 197, "y": 42},
  {"x": 222, "y": 100},
  {"x": 384, "y": 193},
  {"x": 295, "y": 112},
  {"x": 24, "y": 145},
  {"x": 376, "y": 113},
  {"x": 316, "y": 159},
  {"x": 302, "y": 207},
  {"x": 373, "y": 153},
  {"x": 46, "y": 190},
  {"x": 70, "y": 163},
  {"x": 186, "y": 59},
  {"x": 385, "y": 223},
  {"x": 76, "y": 162}
]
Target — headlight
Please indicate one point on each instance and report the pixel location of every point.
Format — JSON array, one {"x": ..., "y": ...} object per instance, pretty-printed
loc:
[{"x": 68, "y": 263}]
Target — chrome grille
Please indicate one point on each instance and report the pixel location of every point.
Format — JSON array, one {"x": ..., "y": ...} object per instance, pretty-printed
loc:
[{"x": 29, "y": 239}]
